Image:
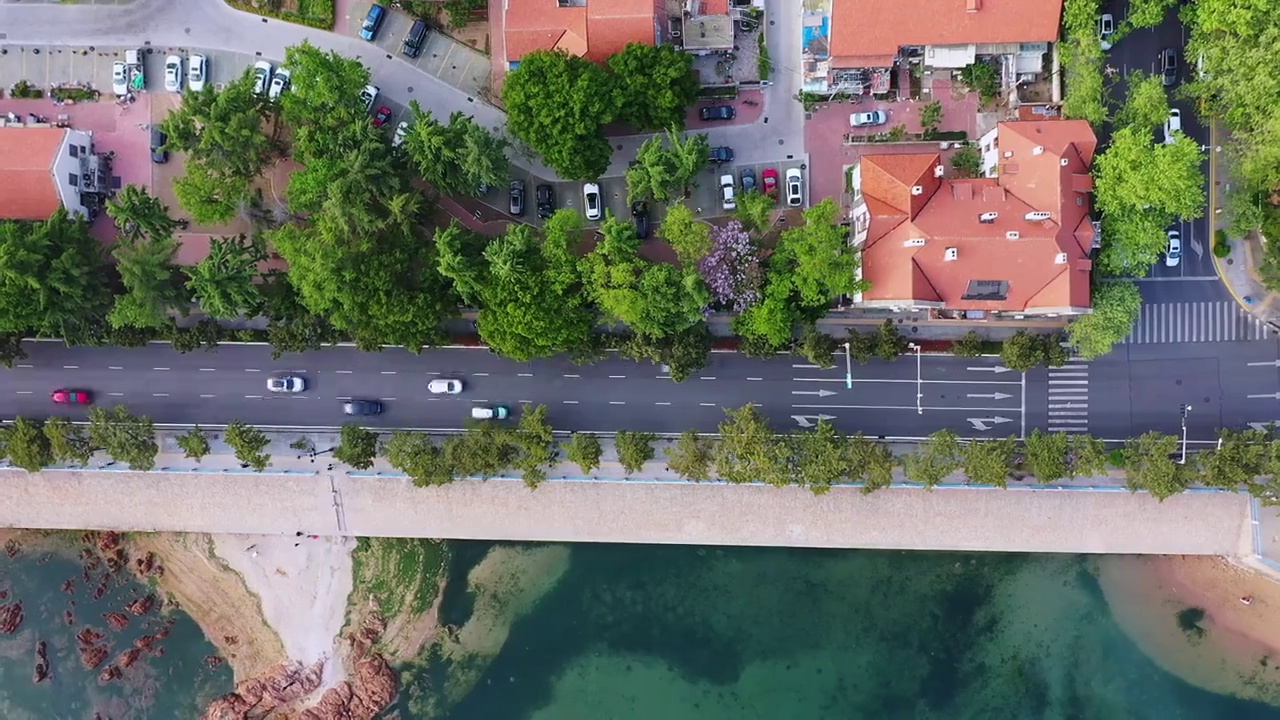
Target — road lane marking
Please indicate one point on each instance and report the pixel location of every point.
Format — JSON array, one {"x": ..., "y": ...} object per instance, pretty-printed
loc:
[
  {"x": 755, "y": 378},
  {"x": 569, "y": 402},
  {"x": 207, "y": 396},
  {"x": 713, "y": 404},
  {"x": 70, "y": 367},
  {"x": 664, "y": 403},
  {"x": 29, "y": 365},
  {"x": 1070, "y": 367},
  {"x": 430, "y": 373},
  {"x": 1067, "y": 414},
  {"x": 617, "y": 377},
  {"x": 159, "y": 394},
  {"x": 254, "y": 397},
  {"x": 1068, "y": 382},
  {"x": 1053, "y": 374},
  {"x": 252, "y": 370},
  {"x": 109, "y": 367},
  {"x": 570, "y": 375},
  {"x": 348, "y": 397},
  {"x": 617, "y": 402},
  {"x": 663, "y": 377},
  {"x": 208, "y": 370},
  {"x": 524, "y": 402},
  {"x": 481, "y": 374},
  {"x": 24, "y": 392},
  {"x": 525, "y": 374},
  {"x": 808, "y": 366},
  {"x": 1064, "y": 390},
  {"x": 927, "y": 381},
  {"x": 388, "y": 372},
  {"x": 387, "y": 399},
  {"x": 1057, "y": 421},
  {"x": 116, "y": 394},
  {"x": 708, "y": 377},
  {"x": 912, "y": 408},
  {"x": 159, "y": 368},
  {"x": 1066, "y": 398},
  {"x": 343, "y": 372},
  {"x": 1068, "y": 406}
]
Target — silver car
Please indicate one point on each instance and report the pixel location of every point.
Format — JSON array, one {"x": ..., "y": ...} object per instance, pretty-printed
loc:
[
  {"x": 444, "y": 386},
  {"x": 173, "y": 73},
  {"x": 197, "y": 69},
  {"x": 286, "y": 384}
]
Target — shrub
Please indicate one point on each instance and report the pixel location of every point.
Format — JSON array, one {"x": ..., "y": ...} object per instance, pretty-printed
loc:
[
  {"x": 1221, "y": 246},
  {"x": 971, "y": 345},
  {"x": 24, "y": 89},
  {"x": 967, "y": 162}
]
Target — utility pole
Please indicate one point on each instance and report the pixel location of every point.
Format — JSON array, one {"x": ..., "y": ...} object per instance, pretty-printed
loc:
[
  {"x": 919, "y": 381},
  {"x": 1185, "y": 410},
  {"x": 848, "y": 367}
]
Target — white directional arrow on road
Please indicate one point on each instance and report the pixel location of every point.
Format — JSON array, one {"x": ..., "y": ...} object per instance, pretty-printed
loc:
[
  {"x": 804, "y": 420},
  {"x": 1270, "y": 396},
  {"x": 1264, "y": 426},
  {"x": 990, "y": 396},
  {"x": 997, "y": 369},
  {"x": 986, "y": 423},
  {"x": 1269, "y": 363},
  {"x": 819, "y": 393},
  {"x": 1197, "y": 248}
]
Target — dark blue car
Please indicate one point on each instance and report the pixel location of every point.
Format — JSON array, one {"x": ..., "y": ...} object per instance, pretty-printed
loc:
[
  {"x": 372, "y": 21},
  {"x": 717, "y": 112}
]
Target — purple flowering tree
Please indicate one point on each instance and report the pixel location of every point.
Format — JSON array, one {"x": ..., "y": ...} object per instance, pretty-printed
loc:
[{"x": 732, "y": 268}]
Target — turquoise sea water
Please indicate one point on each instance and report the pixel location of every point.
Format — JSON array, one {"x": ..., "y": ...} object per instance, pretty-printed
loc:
[
  {"x": 645, "y": 632},
  {"x": 171, "y": 683}
]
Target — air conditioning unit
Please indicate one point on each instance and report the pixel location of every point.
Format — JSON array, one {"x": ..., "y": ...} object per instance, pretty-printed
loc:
[
  {"x": 1063, "y": 162},
  {"x": 1060, "y": 259},
  {"x": 938, "y": 170},
  {"x": 952, "y": 254},
  {"x": 917, "y": 189},
  {"x": 914, "y": 242},
  {"x": 1008, "y": 153},
  {"x": 1039, "y": 149},
  {"x": 1012, "y": 235},
  {"x": 988, "y": 217},
  {"x": 1037, "y": 215}
]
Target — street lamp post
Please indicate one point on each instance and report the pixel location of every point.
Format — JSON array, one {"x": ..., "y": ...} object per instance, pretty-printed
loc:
[
  {"x": 848, "y": 368},
  {"x": 919, "y": 381},
  {"x": 1185, "y": 410}
]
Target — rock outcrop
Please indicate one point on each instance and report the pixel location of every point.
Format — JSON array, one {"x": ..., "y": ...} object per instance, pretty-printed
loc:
[
  {"x": 116, "y": 620},
  {"x": 41, "y": 672},
  {"x": 141, "y": 606},
  {"x": 372, "y": 686},
  {"x": 259, "y": 697},
  {"x": 10, "y": 618}
]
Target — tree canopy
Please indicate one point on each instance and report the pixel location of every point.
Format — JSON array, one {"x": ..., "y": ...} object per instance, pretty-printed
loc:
[
  {"x": 558, "y": 103},
  {"x": 456, "y": 158},
  {"x": 664, "y": 173},
  {"x": 52, "y": 278},
  {"x": 1116, "y": 306},
  {"x": 654, "y": 85}
]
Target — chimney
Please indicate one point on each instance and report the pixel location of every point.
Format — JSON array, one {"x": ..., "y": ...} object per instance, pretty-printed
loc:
[
  {"x": 1061, "y": 259},
  {"x": 1011, "y": 235},
  {"x": 973, "y": 5},
  {"x": 917, "y": 189},
  {"x": 1038, "y": 150},
  {"x": 938, "y": 170}
]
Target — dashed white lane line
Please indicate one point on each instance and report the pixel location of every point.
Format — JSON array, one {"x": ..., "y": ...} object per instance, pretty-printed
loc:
[
  {"x": 348, "y": 397},
  {"x": 159, "y": 394},
  {"x": 207, "y": 396},
  {"x": 481, "y": 374},
  {"x": 755, "y": 378},
  {"x": 388, "y": 372},
  {"x": 525, "y": 402},
  {"x": 525, "y": 374},
  {"x": 159, "y": 368},
  {"x": 343, "y": 372},
  {"x": 571, "y": 375},
  {"x": 70, "y": 367},
  {"x": 617, "y": 402},
  {"x": 387, "y": 399},
  {"x": 708, "y": 377},
  {"x": 663, "y": 377},
  {"x": 116, "y": 394},
  {"x": 254, "y": 397},
  {"x": 569, "y": 402},
  {"x": 109, "y": 367},
  {"x": 27, "y": 365},
  {"x": 208, "y": 369},
  {"x": 430, "y": 373},
  {"x": 252, "y": 370},
  {"x": 707, "y": 404},
  {"x": 664, "y": 403},
  {"x": 617, "y": 377},
  {"x": 24, "y": 392}
]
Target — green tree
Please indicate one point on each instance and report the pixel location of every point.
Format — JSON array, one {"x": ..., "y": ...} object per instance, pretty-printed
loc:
[
  {"x": 664, "y": 173},
  {"x": 688, "y": 236},
  {"x": 52, "y": 280},
  {"x": 194, "y": 443},
  {"x": 821, "y": 456},
  {"x": 755, "y": 211},
  {"x": 11, "y": 349},
  {"x": 225, "y": 281},
  {"x": 483, "y": 451},
  {"x": 682, "y": 353},
  {"x": 249, "y": 444},
  {"x": 357, "y": 446},
  {"x": 67, "y": 443},
  {"x": 140, "y": 216},
  {"x": 323, "y": 99},
  {"x": 1146, "y": 13},
  {"x": 1089, "y": 457},
  {"x": 126, "y": 437},
  {"x": 1046, "y": 456},
  {"x": 1023, "y": 351},
  {"x": 417, "y": 456},
  {"x": 537, "y": 445},
  {"x": 1149, "y": 465},
  {"x": 691, "y": 455},
  {"x": 1146, "y": 105},
  {"x": 931, "y": 117},
  {"x": 1116, "y": 306},
  {"x": 862, "y": 346},
  {"x": 817, "y": 347},
  {"x": 144, "y": 259},
  {"x": 1082, "y": 60},
  {"x": 26, "y": 444},
  {"x": 458, "y": 157},
  {"x": 749, "y": 451},
  {"x": 653, "y": 299},
  {"x": 982, "y": 78},
  {"x": 970, "y": 345},
  {"x": 653, "y": 84},
  {"x": 967, "y": 162},
  {"x": 583, "y": 449},
  {"x": 870, "y": 463},
  {"x": 935, "y": 459},
  {"x": 634, "y": 449},
  {"x": 988, "y": 462},
  {"x": 558, "y": 103},
  {"x": 889, "y": 341},
  {"x": 1239, "y": 457}
]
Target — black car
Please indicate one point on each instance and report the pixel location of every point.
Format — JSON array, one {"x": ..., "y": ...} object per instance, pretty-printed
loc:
[
  {"x": 717, "y": 112},
  {"x": 516, "y": 206},
  {"x": 413, "y": 39},
  {"x": 640, "y": 216},
  {"x": 159, "y": 155},
  {"x": 721, "y": 154},
  {"x": 362, "y": 407},
  {"x": 748, "y": 180},
  {"x": 1169, "y": 66},
  {"x": 546, "y": 197}
]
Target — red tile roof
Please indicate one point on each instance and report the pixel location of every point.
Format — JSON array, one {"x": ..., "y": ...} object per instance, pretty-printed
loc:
[
  {"x": 1043, "y": 166},
  {"x": 595, "y": 31},
  {"x": 868, "y": 33},
  {"x": 27, "y": 187}
]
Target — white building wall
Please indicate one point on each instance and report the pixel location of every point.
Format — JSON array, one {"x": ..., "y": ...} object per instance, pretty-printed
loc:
[{"x": 66, "y": 169}]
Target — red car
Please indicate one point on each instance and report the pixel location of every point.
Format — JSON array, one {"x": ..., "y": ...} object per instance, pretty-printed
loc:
[
  {"x": 63, "y": 396},
  {"x": 382, "y": 116},
  {"x": 769, "y": 178}
]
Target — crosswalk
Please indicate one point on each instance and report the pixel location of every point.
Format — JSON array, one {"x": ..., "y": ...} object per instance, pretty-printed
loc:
[
  {"x": 1217, "y": 321},
  {"x": 1069, "y": 397}
]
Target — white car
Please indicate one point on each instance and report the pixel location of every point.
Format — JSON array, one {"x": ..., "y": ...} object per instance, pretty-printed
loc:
[
  {"x": 368, "y": 95},
  {"x": 726, "y": 193},
  {"x": 197, "y": 69},
  {"x": 1106, "y": 26},
  {"x": 444, "y": 386},
  {"x": 397, "y": 138},
  {"x": 1174, "y": 254},
  {"x": 173, "y": 74},
  {"x": 279, "y": 83},
  {"x": 591, "y": 200},
  {"x": 261, "y": 76},
  {"x": 119, "y": 78},
  {"x": 868, "y": 119},
  {"x": 795, "y": 187},
  {"x": 286, "y": 384},
  {"x": 1172, "y": 126}
]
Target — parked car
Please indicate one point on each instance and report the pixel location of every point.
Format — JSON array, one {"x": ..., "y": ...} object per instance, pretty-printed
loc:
[
  {"x": 545, "y": 195},
  {"x": 748, "y": 177},
  {"x": 1174, "y": 253},
  {"x": 119, "y": 78},
  {"x": 397, "y": 138},
  {"x": 362, "y": 407},
  {"x": 63, "y": 396},
  {"x": 795, "y": 187},
  {"x": 414, "y": 38},
  {"x": 868, "y": 119},
  {"x": 173, "y": 74},
  {"x": 769, "y": 178},
  {"x": 372, "y": 22},
  {"x": 727, "y": 200},
  {"x": 1172, "y": 126},
  {"x": 197, "y": 71},
  {"x": 591, "y": 200},
  {"x": 279, "y": 83},
  {"x": 490, "y": 412},
  {"x": 368, "y": 95},
  {"x": 640, "y": 216},
  {"x": 159, "y": 155},
  {"x": 381, "y": 117},
  {"x": 444, "y": 386},
  {"x": 1169, "y": 66},
  {"x": 515, "y": 203},
  {"x": 717, "y": 112},
  {"x": 261, "y": 76},
  {"x": 721, "y": 154},
  {"x": 286, "y": 384},
  {"x": 1106, "y": 26}
]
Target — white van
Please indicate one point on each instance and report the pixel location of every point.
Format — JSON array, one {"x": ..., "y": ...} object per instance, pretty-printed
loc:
[{"x": 1172, "y": 126}]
